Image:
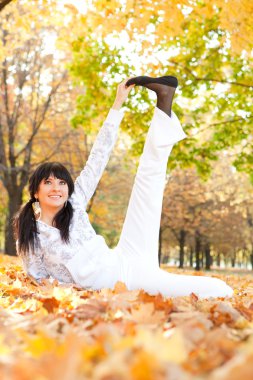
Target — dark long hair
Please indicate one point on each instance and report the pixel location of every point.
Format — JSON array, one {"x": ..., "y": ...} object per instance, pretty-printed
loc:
[{"x": 24, "y": 223}]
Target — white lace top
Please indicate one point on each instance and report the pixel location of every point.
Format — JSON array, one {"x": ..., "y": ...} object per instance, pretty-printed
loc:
[{"x": 54, "y": 258}]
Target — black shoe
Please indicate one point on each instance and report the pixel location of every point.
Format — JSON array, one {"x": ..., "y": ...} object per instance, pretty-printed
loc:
[{"x": 144, "y": 80}]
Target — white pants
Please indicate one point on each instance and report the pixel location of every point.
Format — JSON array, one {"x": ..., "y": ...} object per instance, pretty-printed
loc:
[{"x": 137, "y": 249}]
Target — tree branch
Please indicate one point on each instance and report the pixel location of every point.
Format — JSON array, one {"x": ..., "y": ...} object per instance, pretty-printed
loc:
[
  {"x": 54, "y": 151},
  {"x": 3, "y": 4},
  {"x": 22, "y": 78},
  {"x": 211, "y": 79},
  {"x": 221, "y": 123},
  {"x": 37, "y": 126},
  {"x": 174, "y": 232},
  {"x": 2, "y": 147}
]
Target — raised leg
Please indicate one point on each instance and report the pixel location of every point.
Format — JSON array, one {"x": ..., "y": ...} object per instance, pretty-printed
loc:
[{"x": 139, "y": 237}]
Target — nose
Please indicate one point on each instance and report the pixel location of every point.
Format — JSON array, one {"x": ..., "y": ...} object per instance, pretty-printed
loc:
[{"x": 56, "y": 186}]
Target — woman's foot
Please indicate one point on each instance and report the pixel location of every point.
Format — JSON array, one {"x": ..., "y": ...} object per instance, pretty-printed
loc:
[{"x": 164, "y": 88}]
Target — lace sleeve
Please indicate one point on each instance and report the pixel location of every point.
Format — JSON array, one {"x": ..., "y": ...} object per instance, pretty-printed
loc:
[
  {"x": 33, "y": 265},
  {"x": 86, "y": 182}
]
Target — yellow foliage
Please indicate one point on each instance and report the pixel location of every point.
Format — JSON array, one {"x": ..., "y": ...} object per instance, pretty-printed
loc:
[{"x": 168, "y": 18}]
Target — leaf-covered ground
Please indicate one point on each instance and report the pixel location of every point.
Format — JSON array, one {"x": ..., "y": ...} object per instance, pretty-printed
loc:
[{"x": 67, "y": 333}]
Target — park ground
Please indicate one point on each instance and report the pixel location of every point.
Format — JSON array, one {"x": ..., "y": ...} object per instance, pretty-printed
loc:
[{"x": 55, "y": 331}]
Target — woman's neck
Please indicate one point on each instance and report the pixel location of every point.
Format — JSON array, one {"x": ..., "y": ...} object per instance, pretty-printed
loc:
[{"x": 47, "y": 217}]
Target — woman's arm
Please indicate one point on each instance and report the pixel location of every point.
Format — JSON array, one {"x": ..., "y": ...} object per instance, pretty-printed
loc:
[
  {"x": 34, "y": 266},
  {"x": 87, "y": 181}
]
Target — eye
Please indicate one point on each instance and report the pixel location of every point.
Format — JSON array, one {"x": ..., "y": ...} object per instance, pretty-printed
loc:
[
  {"x": 47, "y": 180},
  {"x": 63, "y": 182}
]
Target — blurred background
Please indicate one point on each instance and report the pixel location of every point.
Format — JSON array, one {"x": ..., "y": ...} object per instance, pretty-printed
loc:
[{"x": 60, "y": 63}]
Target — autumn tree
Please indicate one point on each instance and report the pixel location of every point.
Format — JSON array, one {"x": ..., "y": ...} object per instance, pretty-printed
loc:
[
  {"x": 208, "y": 219},
  {"x": 31, "y": 80},
  {"x": 195, "y": 42},
  {"x": 186, "y": 211}
]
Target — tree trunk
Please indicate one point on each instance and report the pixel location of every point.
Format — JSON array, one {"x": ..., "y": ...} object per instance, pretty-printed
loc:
[
  {"x": 208, "y": 256},
  {"x": 160, "y": 246},
  {"x": 181, "y": 245},
  {"x": 202, "y": 259},
  {"x": 191, "y": 256},
  {"x": 233, "y": 259},
  {"x": 245, "y": 258},
  {"x": 197, "y": 249},
  {"x": 218, "y": 259},
  {"x": 14, "y": 203}
]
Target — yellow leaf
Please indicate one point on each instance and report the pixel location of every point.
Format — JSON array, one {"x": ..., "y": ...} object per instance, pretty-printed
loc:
[
  {"x": 40, "y": 344},
  {"x": 145, "y": 366},
  {"x": 4, "y": 349},
  {"x": 166, "y": 349},
  {"x": 146, "y": 314},
  {"x": 20, "y": 306},
  {"x": 17, "y": 284}
]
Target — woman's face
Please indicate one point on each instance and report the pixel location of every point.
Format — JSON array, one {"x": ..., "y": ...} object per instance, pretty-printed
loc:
[{"x": 52, "y": 193}]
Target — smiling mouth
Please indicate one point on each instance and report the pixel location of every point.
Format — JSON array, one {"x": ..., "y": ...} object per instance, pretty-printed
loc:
[{"x": 54, "y": 196}]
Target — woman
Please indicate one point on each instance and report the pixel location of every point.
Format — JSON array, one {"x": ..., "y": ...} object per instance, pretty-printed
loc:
[{"x": 57, "y": 240}]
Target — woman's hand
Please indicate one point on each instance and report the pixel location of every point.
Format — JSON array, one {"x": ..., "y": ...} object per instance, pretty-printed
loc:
[{"x": 122, "y": 94}]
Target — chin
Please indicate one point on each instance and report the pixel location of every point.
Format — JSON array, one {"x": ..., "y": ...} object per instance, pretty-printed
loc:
[{"x": 57, "y": 205}]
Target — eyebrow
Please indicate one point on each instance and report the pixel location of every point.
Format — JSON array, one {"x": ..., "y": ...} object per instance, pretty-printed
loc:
[{"x": 60, "y": 179}]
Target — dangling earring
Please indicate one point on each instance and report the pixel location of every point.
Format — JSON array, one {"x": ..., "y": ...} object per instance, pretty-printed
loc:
[{"x": 36, "y": 207}]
